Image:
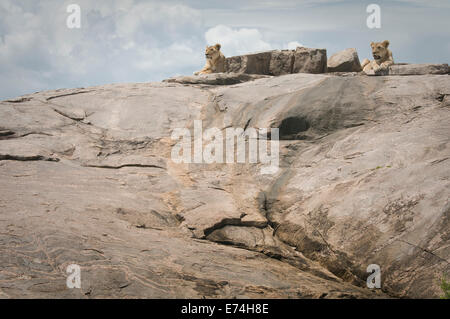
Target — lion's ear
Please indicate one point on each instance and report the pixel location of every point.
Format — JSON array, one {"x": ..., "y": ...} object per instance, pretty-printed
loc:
[
  {"x": 386, "y": 43},
  {"x": 218, "y": 46},
  {"x": 206, "y": 46},
  {"x": 372, "y": 44}
]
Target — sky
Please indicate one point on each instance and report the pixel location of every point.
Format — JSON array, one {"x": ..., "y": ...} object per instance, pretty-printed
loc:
[{"x": 141, "y": 41}]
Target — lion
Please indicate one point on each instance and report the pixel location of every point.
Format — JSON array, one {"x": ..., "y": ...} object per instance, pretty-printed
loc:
[
  {"x": 382, "y": 58},
  {"x": 215, "y": 60}
]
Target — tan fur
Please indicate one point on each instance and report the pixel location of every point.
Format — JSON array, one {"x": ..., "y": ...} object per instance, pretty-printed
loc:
[
  {"x": 215, "y": 60},
  {"x": 382, "y": 58}
]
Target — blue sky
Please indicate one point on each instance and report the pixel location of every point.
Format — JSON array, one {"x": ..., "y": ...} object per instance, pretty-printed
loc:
[{"x": 141, "y": 41}]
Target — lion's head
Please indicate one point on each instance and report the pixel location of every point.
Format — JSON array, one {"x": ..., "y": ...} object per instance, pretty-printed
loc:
[
  {"x": 380, "y": 50},
  {"x": 212, "y": 52}
]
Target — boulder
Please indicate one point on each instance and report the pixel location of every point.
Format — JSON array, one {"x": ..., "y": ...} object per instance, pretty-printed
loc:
[
  {"x": 281, "y": 62},
  {"x": 255, "y": 63},
  {"x": 308, "y": 60},
  {"x": 418, "y": 69},
  {"x": 215, "y": 78},
  {"x": 235, "y": 64},
  {"x": 344, "y": 61}
]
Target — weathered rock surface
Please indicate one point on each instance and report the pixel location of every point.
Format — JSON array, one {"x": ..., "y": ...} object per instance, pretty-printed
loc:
[
  {"x": 255, "y": 63},
  {"x": 418, "y": 69},
  {"x": 344, "y": 61},
  {"x": 87, "y": 179},
  {"x": 215, "y": 78},
  {"x": 310, "y": 61},
  {"x": 412, "y": 69},
  {"x": 280, "y": 62}
]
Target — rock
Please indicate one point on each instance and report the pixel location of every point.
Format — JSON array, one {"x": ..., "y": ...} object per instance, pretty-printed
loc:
[
  {"x": 215, "y": 78},
  {"x": 363, "y": 179},
  {"x": 344, "y": 61},
  {"x": 281, "y": 62},
  {"x": 256, "y": 63},
  {"x": 24, "y": 150},
  {"x": 235, "y": 64},
  {"x": 418, "y": 69},
  {"x": 317, "y": 204},
  {"x": 310, "y": 60},
  {"x": 446, "y": 100},
  {"x": 378, "y": 72}
]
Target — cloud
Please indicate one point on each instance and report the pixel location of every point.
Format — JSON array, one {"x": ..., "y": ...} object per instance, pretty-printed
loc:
[
  {"x": 243, "y": 40},
  {"x": 293, "y": 45},
  {"x": 119, "y": 41},
  {"x": 237, "y": 41}
]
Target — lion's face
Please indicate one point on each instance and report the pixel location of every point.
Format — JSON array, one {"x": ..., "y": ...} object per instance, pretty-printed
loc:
[
  {"x": 380, "y": 50},
  {"x": 212, "y": 52}
]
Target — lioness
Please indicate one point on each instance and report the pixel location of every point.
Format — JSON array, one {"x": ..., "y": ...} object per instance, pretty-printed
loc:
[
  {"x": 383, "y": 58},
  {"x": 215, "y": 60}
]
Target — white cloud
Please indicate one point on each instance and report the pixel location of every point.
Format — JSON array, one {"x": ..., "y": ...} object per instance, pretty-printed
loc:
[
  {"x": 237, "y": 41},
  {"x": 175, "y": 56},
  {"x": 243, "y": 40},
  {"x": 118, "y": 41},
  {"x": 293, "y": 45},
  {"x": 169, "y": 19}
]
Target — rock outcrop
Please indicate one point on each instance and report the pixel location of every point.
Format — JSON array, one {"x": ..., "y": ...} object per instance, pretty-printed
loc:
[
  {"x": 280, "y": 62},
  {"x": 88, "y": 179},
  {"x": 256, "y": 63},
  {"x": 418, "y": 69},
  {"x": 307, "y": 60},
  {"x": 310, "y": 61},
  {"x": 344, "y": 61},
  {"x": 215, "y": 78}
]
